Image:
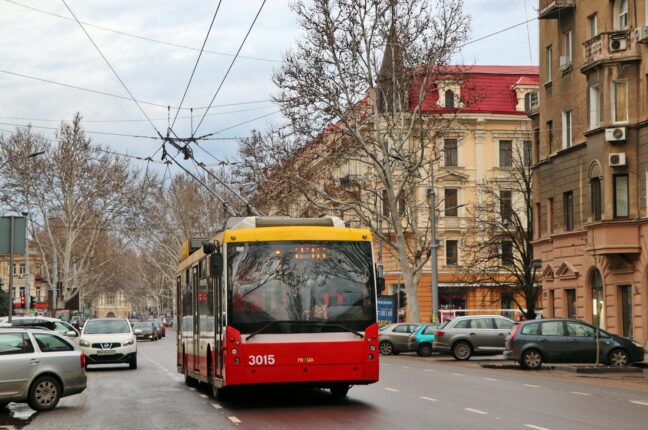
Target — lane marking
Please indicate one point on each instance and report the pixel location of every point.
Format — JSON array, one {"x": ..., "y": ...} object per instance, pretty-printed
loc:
[
  {"x": 392, "y": 389},
  {"x": 532, "y": 386},
  {"x": 216, "y": 406},
  {"x": 476, "y": 411},
  {"x": 234, "y": 420},
  {"x": 638, "y": 402},
  {"x": 204, "y": 396},
  {"x": 429, "y": 370},
  {"x": 580, "y": 393},
  {"x": 429, "y": 399},
  {"x": 458, "y": 374},
  {"x": 405, "y": 367},
  {"x": 491, "y": 379},
  {"x": 192, "y": 388},
  {"x": 531, "y": 426}
]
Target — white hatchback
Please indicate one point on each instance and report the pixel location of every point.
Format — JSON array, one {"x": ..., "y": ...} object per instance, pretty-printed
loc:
[{"x": 109, "y": 340}]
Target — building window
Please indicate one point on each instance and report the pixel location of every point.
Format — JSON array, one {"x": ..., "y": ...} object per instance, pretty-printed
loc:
[
  {"x": 621, "y": 207},
  {"x": 385, "y": 204},
  {"x": 626, "y": 309},
  {"x": 594, "y": 106},
  {"x": 507, "y": 252},
  {"x": 620, "y": 14},
  {"x": 566, "y": 129},
  {"x": 450, "y": 156},
  {"x": 595, "y": 196},
  {"x": 568, "y": 210},
  {"x": 571, "y": 303},
  {"x": 449, "y": 99},
  {"x": 18, "y": 269},
  {"x": 567, "y": 47},
  {"x": 451, "y": 202},
  {"x": 526, "y": 148},
  {"x": 110, "y": 299},
  {"x": 538, "y": 209},
  {"x": 548, "y": 62},
  {"x": 593, "y": 25},
  {"x": 550, "y": 214},
  {"x": 505, "y": 153},
  {"x": 536, "y": 145},
  {"x": 550, "y": 136},
  {"x": 451, "y": 252},
  {"x": 401, "y": 204},
  {"x": 620, "y": 101},
  {"x": 506, "y": 205}
]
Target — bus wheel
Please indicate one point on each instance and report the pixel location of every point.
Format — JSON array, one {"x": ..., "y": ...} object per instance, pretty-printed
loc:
[{"x": 340, "y": 392}]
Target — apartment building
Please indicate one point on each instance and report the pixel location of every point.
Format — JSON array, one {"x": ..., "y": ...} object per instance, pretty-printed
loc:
[
  {"x": 591, "y": 163},
  {"x": 113, "y": 304},
  {"x": 25, "y": 284}
]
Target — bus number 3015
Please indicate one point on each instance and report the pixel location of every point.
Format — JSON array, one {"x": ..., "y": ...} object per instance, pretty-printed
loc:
[{"x": 259, "y": 360}]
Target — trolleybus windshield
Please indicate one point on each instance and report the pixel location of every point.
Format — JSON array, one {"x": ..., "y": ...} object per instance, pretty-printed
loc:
[{"x": 304, "y": 287}]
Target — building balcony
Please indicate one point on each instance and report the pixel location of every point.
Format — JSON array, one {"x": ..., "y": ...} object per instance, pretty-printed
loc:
[
  {"x": 613, "y": 237},
  {"x": 452, "y": 223},
  {"x": 551, "y": 9},
  {"x": 609, "y": 47}
]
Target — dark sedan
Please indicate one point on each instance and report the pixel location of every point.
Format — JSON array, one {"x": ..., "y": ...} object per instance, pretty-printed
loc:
[
  {"x": 145, "y": 330},
  {"x": 568, "y": 341}
]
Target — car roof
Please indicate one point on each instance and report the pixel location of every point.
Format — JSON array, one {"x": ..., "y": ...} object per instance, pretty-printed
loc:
[
  {"x": 26, "y": 329},
  {"x": 108, "y": 319},
  {"x": 469, "y": 317}
]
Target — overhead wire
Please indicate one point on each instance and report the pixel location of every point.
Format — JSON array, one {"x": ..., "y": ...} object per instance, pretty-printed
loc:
[
  {"x": 238, "y": 51},
  {"x": 136, "y": 36},
  {"x": 111, "y": 68},
  {"x": 202, "y": 48}
]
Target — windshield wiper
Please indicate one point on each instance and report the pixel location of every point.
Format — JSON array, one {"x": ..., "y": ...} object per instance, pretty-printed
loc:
[
  {"x": 342, "y": 327},
  {"x": 263, "y": 327}
]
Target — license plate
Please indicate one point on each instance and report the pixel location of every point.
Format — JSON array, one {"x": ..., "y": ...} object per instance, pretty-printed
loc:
[{"x": 106, "y": 352}]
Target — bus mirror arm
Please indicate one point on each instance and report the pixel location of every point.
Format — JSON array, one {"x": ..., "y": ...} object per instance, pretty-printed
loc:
[
  {"x": 216, "y": 265},
  {"x": 224, "y": 319}
]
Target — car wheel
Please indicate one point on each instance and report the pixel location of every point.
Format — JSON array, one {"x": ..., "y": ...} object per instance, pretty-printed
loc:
[
  {"x": 44, "y": 393},
  {"x": 3, "y": 405},
  {"x": 386, "y": 348},
  {"x": 132, "y": 364},
  {"x": 531, "y": 359},
  {"x": 462, "y": 350},
  {"x": 618, "y": 357},
  {"x": 424, "y": 350},
  {"x": 340, "y": 392}
]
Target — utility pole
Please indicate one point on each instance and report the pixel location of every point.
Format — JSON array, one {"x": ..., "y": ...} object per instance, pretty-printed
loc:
[
  {"x": 11, "y": 265},
  {"x": 27, "y": 274},
  {"x": 434, "y": 246}
]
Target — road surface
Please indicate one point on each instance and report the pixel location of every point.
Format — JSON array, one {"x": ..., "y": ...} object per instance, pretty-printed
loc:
[{"x": 413, "y": 393}]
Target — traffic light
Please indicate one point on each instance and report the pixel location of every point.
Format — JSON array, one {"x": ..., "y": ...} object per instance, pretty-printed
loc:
[
  {"x": 380, "y": 285},
  {"x": 402, "y": 298},
  {"x": 32, "y": 302},
  {"x": 22, "y": 301}
]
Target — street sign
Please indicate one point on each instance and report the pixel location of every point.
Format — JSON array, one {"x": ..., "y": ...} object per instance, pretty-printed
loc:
[
  {"x": 386, "y": 310},
  {"x": 20, "y": 225}
]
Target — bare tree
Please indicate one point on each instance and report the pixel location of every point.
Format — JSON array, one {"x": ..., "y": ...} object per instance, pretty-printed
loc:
[
  {"x": 357, "y": 93},
  {"x": 500, "y": 253},
  {"x": 75, "y": 192}
]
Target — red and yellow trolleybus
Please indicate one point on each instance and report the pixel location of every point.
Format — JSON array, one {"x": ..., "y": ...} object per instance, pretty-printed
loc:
[{"x": 278, "y": 300}]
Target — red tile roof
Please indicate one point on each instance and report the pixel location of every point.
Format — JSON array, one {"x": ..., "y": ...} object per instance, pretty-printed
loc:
[{"x": 487, "y": 89}]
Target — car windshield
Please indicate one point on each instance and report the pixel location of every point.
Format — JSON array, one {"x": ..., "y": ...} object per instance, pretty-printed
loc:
[
  {"x": 300, "y": 286},
  {"x": 106, "y": 327},
  {"x": 143, "y": 325}
]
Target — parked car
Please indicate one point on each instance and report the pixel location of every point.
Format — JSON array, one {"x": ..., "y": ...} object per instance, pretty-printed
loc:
[
  {"x": 533, "y": 343},
  {"x": 167, "y": 321},
  {"x": 394, "y": 338},
  {"x": 160, "y": 326},
  {"x": 39, "y": 367},
  {"x": 464, "y": 336},
  {"x": 109, "y": 340},
  {"x": 61, "y": 327},
  {"x": 422, "y": 339},
  {"x": 145, "y": 330}
]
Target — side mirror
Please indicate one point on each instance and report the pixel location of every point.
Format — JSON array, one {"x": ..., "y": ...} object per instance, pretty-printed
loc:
[
  {"x": 216, "y": 265},
  {"x": 71, "y": 333}
]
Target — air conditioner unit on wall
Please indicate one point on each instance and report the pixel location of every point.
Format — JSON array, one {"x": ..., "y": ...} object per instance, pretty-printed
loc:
[
  {"x": 616, "y": 134},
  {"x": 617, "y": 159},
  {"x": 565, "y": 62},
  {"x": 641, "y": 34},
  {"x": 619, "y": 43}
]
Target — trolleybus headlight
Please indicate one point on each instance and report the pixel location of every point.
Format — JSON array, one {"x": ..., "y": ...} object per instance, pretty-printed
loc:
[
  {"x": 372, "y": 347},
  {"x": 234, "y": 351},
  {"x": 370, "y": 356}
]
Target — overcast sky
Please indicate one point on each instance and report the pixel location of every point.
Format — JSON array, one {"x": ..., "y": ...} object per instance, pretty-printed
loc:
[{"x": 47, "y": 47}]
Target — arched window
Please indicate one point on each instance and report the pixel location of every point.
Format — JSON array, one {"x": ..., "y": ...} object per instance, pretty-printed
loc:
[
  {"x": 598, "y": 300},
  {"x": 449, "y": 99},
  {"x": 620, "y": 14}
]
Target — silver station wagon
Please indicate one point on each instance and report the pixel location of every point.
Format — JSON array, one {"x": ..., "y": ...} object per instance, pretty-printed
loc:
[
  {"x": 464, "y": 336},
  {"x": 39, "y": 367}
]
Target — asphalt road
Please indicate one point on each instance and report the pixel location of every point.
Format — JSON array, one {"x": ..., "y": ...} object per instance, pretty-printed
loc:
[{"x": 413, "y": 393}]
